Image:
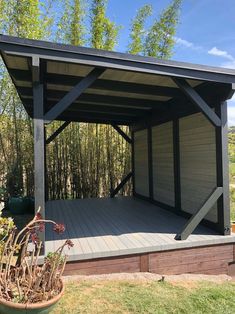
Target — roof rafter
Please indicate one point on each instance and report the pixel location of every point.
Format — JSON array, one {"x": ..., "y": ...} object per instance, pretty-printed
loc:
[{"x": 72, "y": 95}]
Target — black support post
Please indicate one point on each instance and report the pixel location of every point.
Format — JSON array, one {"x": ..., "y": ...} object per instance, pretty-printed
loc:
[
  {"x": 45, "y": 163},
  {"x": 133, "y": 161},
  {"x": 222, "y": 164},
  {"x": 39, "y": 148}
]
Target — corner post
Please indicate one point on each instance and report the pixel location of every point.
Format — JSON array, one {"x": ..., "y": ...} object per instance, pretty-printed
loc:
[
  {"x": 176, "y": 150},
  {"x": 39, "y": 141},
  {"x": 222, "y": 164}
]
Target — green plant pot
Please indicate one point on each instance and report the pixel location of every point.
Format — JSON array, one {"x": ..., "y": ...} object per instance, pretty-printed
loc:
[
  {"x": 29, "y": 204},
  {"x": 7, "y": 307},
  {"x": 17, "y": 205}
]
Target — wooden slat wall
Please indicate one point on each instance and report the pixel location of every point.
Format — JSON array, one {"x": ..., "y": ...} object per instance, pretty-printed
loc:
[
  {"x": 141, "y": 175},
  {"x": 163, "y": 163},
  {"x": 197, "y": 163},
  {"x": 210, "y": 260}
]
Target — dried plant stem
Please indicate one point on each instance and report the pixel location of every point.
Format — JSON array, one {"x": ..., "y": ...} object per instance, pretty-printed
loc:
[{"x": 27, "y": 282}]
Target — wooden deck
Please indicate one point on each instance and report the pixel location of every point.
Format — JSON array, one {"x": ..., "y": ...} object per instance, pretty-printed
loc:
[{"x": 120, "y": 226}]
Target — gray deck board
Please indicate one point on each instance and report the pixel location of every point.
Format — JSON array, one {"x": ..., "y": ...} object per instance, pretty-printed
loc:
[{"x": 120, "y": 226}]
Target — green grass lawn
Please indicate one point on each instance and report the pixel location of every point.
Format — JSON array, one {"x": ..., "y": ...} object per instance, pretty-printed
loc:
[{"x": 115, "y": 297}]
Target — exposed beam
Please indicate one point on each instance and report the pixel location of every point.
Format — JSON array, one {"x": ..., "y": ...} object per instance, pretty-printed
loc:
[
  {"x": 73, "y": 114},
  {"x": 97, "y": 98},
  {"x": 101, "y": 84},
  {"x": 120, "y": 185},
  {"x": 123, "y": 134},
  {"x": 194, "y": 221},
  {"x": 93, "y": 118},
  {"x": 195, "y": 98},
  {"x": 84, "y": 107},
  {"x": 225, "y": 89},
  {"x": 72, "y": 95},
  {"x": 57, "y": 132},
  {"x": 88, "y": 108}
]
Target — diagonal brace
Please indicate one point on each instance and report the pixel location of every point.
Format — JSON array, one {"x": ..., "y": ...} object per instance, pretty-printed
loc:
[
  {"x": 123, "y": 134},
  {"x": 72, "y": 95},
  {"x": 120, "y": 185},
  {"x": 190, "y": 92},
  {"x": 194, "y": 221},
  {"x": 57, "y": 132}
]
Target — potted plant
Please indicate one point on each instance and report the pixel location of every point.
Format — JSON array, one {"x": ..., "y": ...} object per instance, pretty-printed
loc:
[{"x": 25, "y": 286}]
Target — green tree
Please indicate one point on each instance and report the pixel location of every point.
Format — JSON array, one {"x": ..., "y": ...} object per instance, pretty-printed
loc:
[
  {"x": 103, "y": 32},
  {"x": 111, "y": 31},
  {"x": 71, "y": 27},
  {"x": 27, "y": 21},
  {"x": 86, "y": 159},
  {"x": 30, "y": 19},
  {"x": 160, "y": 39},
  {"x": 138, "y": 31}
]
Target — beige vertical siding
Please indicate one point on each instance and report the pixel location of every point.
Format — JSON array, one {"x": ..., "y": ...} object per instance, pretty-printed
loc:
[
  {"x": 163, "y": 163},
  {"x": 141, "y": 162},
  {"x": 197, "y": 163}
]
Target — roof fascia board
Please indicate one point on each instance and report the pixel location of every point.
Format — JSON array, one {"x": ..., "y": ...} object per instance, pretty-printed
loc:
[{"x": 111, "y": 61}]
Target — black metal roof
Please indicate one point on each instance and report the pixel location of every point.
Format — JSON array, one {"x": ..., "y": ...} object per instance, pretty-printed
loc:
[{"x": 130, "y": 88}]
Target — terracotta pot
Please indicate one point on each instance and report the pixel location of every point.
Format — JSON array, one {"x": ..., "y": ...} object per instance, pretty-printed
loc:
[
  {"x": 7, "y": 307},
  {"x": 233, "y": 226}
]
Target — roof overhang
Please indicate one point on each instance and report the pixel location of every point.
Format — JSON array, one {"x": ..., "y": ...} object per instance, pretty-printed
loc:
[{"x": 130, "y": 88}]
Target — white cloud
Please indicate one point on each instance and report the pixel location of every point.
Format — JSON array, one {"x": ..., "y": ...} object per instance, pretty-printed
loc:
[
  {"x": 229, "y": 65},
  {"x": 225, "y": 55},
  {"x": 183, "y": 42},
  {"x": 187, "y": 44},
  {"x": 220, "y": 53}
]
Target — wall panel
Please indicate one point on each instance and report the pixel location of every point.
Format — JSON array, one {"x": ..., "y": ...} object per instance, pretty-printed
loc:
[
  {"x": 163, "y": 163},
  {"x": 141, "y": 175},
  {"x": 197, "y": 163}
]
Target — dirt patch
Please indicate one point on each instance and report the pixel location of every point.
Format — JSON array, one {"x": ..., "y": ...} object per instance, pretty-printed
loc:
[
  {"x": 186, "y": 280},
  {"x": 190, "y": 281},
  {"x": 145, "y": 277}
]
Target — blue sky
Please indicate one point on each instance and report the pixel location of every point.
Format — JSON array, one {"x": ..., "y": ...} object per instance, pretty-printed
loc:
[{"x": 205, "y": 35}]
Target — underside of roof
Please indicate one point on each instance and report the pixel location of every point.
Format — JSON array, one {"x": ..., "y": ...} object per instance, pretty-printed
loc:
[{"x": 130, "y": 89}]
